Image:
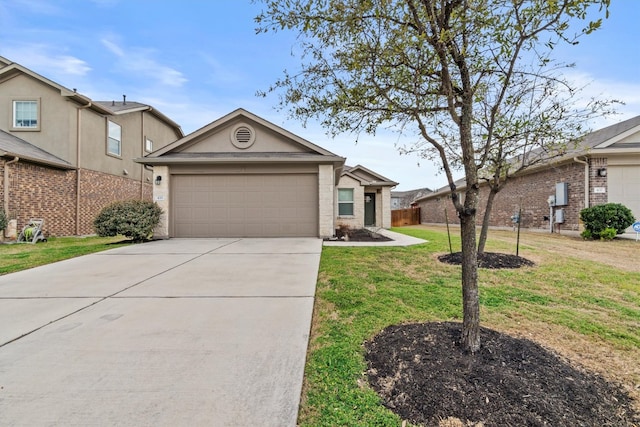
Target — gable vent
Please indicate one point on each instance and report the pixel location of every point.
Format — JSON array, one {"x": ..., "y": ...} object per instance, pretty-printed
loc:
[{"x": 242, "y": 136}]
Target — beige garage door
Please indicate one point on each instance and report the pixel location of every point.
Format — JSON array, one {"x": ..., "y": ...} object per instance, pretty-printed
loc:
[
  {"x": 265, "y": 205},
  {"x": 623, "y": 188}
]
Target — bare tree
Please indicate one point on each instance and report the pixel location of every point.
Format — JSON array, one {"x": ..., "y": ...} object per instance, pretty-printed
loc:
[{"x": 442, "y": 68}]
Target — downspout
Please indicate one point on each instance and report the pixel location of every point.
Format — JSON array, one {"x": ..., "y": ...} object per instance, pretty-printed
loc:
[
  {"x": 78, "y": 157},
  {"x": 6, "y": 182},
  {"x": 143, "y": 143},
  {"x": 586, "y": 178}
]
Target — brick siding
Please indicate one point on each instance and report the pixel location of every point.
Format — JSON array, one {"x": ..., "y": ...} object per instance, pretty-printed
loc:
[
  {"x": 41, "y": 192},
  {"x": 529, "y": 191}
]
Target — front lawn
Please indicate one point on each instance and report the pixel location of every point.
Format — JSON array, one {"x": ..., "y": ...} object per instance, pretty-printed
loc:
[
  {"x": 587, "y": 312},
  {"x": 21, "y": 256}
]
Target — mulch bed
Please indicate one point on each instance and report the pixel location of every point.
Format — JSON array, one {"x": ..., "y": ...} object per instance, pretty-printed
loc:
[
  {"x": 489, "y": 260},
  {"x": 359, "y": 235},
  {"x": 422, "y": 374}
]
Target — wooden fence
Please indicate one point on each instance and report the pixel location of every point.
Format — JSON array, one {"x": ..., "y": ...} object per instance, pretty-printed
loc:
[{"x": 400, "y": 217}]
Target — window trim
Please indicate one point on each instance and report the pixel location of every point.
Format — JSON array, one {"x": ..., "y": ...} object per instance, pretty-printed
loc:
[
  {"x": 148, "y": 144},
  {"x": 13, "y": 115},
  {"x": 347, "y": 202},
  {"x": 110, "y": 153}
]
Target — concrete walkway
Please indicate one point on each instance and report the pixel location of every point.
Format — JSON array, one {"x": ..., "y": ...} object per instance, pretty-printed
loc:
[{"x": 182, "y": 332}]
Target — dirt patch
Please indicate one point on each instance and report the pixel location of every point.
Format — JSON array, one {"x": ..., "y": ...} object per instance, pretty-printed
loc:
[
  {"x": 422, "y": 374},
  {"x": 490, "y": 260}
]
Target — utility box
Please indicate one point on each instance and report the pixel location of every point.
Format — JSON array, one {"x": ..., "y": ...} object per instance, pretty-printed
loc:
[
  {"x": 562, "y": 194},
  {"x": 559, "y": 216}
]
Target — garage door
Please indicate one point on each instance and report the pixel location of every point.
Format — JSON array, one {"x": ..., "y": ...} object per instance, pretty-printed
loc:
[
  {"x": 264, "y": 205},
  {"x": 623, "y": 188}
]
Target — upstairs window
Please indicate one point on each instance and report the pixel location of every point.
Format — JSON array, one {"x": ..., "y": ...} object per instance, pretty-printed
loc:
[
  {"x": 25, "y": 115},
  {"x": 345, "y": 201},
  {"x": 148, "y": 145},
  {"x": 114, "y": 139}
]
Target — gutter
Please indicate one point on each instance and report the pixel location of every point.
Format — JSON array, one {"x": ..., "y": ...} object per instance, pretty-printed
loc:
[
  {"x": 586, "y": 178},
  {"x": 6, "y": 182}
]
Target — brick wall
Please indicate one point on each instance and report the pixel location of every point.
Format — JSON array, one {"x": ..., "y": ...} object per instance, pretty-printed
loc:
[
  {"x": 530, "y": 192},
  {"x": 41, "y": 192}
]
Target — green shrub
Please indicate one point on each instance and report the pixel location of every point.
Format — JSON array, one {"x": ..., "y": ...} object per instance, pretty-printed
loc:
[
  {"x": 597, "y": 219},
  {"x": 608, "y": 234},
  {"x": 586, "y": 235},
  {"x": 131, "y": 218},
  {"x": 4, "y": 221}
]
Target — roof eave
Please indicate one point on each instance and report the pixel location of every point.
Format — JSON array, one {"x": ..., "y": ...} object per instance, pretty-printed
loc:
[
  {"x": 56, "y": 165},
  {"x": 226, "y": 160}
]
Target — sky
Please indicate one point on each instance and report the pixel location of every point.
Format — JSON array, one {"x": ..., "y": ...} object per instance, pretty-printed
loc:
[{"x": 197, "y": 60}]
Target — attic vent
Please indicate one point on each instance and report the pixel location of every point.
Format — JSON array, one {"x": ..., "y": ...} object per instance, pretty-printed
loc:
[{"x": 242, "y": 136}]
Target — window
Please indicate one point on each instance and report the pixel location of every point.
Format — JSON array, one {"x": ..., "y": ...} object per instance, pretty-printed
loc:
[
  {"x": 148, "y": 145},
  {"x": 345, "y": 201},
  {"x": 114, "y": 140},
  {"x": 25, "y": 115}
]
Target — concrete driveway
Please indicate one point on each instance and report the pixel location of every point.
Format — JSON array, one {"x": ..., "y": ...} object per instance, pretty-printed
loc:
[{"x": 181, "y": 332}]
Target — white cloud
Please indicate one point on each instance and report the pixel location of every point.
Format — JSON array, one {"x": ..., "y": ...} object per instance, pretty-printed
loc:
[
  {"x": 141, "y": 62},
  {"x": 40, "y": 56},
  {"x": 112, "y": 47},
  {"x": 625, "y": 91}
]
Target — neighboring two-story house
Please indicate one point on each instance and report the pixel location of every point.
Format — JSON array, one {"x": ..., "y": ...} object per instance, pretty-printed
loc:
[{"x": 64, "y": 156}]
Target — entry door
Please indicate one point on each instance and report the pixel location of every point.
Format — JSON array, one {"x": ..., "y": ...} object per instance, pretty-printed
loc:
[{"x": 369, "y": 209}]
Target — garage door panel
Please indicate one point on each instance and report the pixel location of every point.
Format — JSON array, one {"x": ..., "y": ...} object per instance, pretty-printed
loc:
[
  {"x": 622, "y": 187},
  {"x": 268, "y": 205}
]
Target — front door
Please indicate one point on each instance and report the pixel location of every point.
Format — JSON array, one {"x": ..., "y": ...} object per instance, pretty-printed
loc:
[{"x": 369, "y": 209}]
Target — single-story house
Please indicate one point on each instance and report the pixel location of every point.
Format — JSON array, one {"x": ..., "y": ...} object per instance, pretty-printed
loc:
[
  {"x": 405, "y": 199},
  {"x": 242, "y": 176},
  {"x": 605, "y": 168}
]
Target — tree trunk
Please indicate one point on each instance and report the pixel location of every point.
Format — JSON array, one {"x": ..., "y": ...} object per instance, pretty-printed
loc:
[
  {"x": 470, "y": 295},
  {"x": 484, "y": 231}
]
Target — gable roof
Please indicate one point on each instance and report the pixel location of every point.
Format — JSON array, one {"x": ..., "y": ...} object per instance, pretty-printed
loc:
[
  {"x": 12, "y": 146},
  {"x": 12, "y": 69},
  {"x": 125, "y": 107},
  {"x": 177, "y": 153},
  {"x": 367, "y": 177},
  {"x": 596, "y": 143}
]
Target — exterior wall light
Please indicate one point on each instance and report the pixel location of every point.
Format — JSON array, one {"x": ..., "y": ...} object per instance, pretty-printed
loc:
[
  {"x": 158, "y": 180},
  {"x": 602, "y": 172}
]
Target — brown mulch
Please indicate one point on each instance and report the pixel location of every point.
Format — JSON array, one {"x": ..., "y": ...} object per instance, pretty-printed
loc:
[
  {"x": 489, "y": 260},
  {"x": 422, "y": 374}
]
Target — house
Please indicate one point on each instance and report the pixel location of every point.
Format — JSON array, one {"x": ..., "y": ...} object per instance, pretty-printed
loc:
[
  {"x": 242, "y": 176},
  {"x": 404, "y": 199},
  {"x": 605, "y": 168},
  {"x": 363, "y": 198},
  {"x": 64, "y": 156}
]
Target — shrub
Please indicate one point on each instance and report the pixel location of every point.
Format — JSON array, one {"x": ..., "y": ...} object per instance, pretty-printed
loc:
[
  {"x": 4, "y": 221},
  {"x": 610, "y": 215},
  {"x": 608, "y": 234},
  {"x": 131, "y": 218},
  {"x": 586, "y": 235}
]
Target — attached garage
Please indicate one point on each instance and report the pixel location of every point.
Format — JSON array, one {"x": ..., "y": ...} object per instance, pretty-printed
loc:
[
  {"x": 242, "y": 176},
  {"x": 622, "y": 179}
]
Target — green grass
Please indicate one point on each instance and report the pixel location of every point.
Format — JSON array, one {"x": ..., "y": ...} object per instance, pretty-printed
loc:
[
  {"x": 21, "y": 256},
  {"x": 362, "y": 290}
]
